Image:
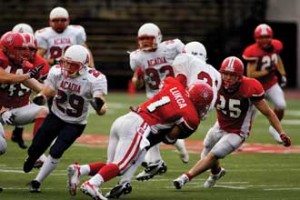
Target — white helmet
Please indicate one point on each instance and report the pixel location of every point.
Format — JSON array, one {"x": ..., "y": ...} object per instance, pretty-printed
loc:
[
  {"x": 149, "y": 36},
  {"x": 74, "y": 61},
  {"x": 197, "y": 49},
  {"x": 23, "y": 28},
  {"x": 58, "y": 12}
]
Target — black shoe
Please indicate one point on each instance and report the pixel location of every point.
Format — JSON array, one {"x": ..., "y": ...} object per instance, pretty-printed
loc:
[
  {"x": 152, "y": 170},
  {"x": 118, "y": 190},
  {"x": 28, "y": 164},
  {"x": 17, "y": 137},
  {"x": 1, "y": 189},
  {"x": 34, "y": 186}
]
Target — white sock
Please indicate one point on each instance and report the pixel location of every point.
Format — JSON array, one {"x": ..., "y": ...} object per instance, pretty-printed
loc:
[
  {"x": 43, "y": 157},
  {"x": 85, "y": 170},
  {"x": 48, "y": 166},
  {"x": 96, "y": 180},
  {"x": 275, "y": 134},
  {"x": 153, "y": 154},
  {"x": 180, "y": 146}
]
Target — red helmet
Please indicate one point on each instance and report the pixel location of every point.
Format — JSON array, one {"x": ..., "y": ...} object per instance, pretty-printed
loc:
[
  {"x": 201, "y": 94},
  {"x": 232, "y": 69},
  {"x": 263, "y": 30},
  {"x": 263, "y": 35},
  {"x": 14, "y": 45},
  {"x": 32, "y": 45},
  {"x": 59, "y": 19}
]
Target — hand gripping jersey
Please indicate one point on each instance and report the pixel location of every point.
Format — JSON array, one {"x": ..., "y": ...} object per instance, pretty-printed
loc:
[
  {"x": 265, "y": 60},
  {"x": 170, "y": 106},
  {"x": 17, "y": 95},
  {"x": 57, "y": 43},
  {"x": 156, "y": 65},
  {"x": 73, "y": 96},
  {"x": 193, "y": 69},
  {"x": 235, "y": 111}
]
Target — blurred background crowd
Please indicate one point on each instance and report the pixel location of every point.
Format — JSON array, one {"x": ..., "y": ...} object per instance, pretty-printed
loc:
[{"x": 225, "y": 27}]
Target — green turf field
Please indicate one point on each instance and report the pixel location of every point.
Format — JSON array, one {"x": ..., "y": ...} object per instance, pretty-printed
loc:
[{"x": 249, "y": 176}]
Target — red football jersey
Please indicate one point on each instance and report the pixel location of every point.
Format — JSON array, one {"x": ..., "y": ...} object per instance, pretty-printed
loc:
[
  {"x": 266, "y": 60},
  {"x": 170, "y": 106},
  {"x": 17, "y": 95},
  {"x": 235, "y": 111}
]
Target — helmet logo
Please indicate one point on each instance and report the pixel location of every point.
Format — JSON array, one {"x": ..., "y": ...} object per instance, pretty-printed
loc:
[
  {"x": 230, "y": 65},
  {"x": 10, "y": 39},
  {"x": 264, "y": 30}
]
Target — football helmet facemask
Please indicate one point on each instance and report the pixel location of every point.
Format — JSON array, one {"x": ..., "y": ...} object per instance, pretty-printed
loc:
[
  {"x": 149, "y": 36},
  {"x": 232, "y": 69},
  {"x": 201, "y": 94},
  {"x": 59, "y": 19},
  {"x": 263, "y": 35},
  {"x": 74, "y": 61},
  {"x": 197, "y": 49},
  {"x": 14, "y": 45}
]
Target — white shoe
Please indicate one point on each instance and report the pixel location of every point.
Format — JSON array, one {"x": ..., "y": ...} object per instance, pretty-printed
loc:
[
  {"x": 183, "y": 154},
  {"x": 92, "y": 191},
  {"x": 212, "y": 179},
  {"x": 73, "y": 178},
  {"x": 180, "y": 181}
]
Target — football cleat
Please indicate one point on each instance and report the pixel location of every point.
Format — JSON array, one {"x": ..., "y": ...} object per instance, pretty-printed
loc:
[
  {"x": 212, "y": 179},
  {"x": 34, "y": 186},
  {"x": 118, "y": 190},
  {"x": 152, "y": 169},
  {"x": 180, "y": 181},
  {"x": 28, "y": 164},
  {"x": 73, "y": 178},
  {"x": 16, "y": 137},
  {"x": 92, "y": 191}
]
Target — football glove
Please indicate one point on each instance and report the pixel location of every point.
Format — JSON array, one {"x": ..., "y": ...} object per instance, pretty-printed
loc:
[
  {"x": 8, "y": 117},
  {"x": 97, "y": 103},
  {"x": 34, "y": 72},
  {"x": 286, "y": 140},
  {"x": 39, "y": 99},
  {"x": 283, "y": 81}
]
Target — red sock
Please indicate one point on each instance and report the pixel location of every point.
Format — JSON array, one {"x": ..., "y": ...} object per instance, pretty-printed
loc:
[
  {"x": 37, "y": 123},
  {"x": 95, "y": 167},
  {"x": 109, "y": 171},
  {"x": 189, "y": 176}
]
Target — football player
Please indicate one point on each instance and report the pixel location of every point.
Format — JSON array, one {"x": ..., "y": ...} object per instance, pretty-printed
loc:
[
  {"x": 55, "y": 39},
  {"x": 152, "y": 63},
  {"x": 18, "y": 56},
  {"x": 191, "y": 66},
  {"x": 74, "y": 86},
  {"x": 265, "y": 64},
  {"x": 12, "y": 53},
  {"x": 36, "y": 60},
  {"x": 236, "y": 99},
  {"x": 172, "y": 113}
]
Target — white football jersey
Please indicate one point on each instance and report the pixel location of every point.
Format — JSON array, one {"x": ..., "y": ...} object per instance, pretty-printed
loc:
[
  {"x": 57, "y": 43},
  {"x": 156, "y": 65},
  {"x": 195, "y": 69},
  {"x": 71, "y": 103}
]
